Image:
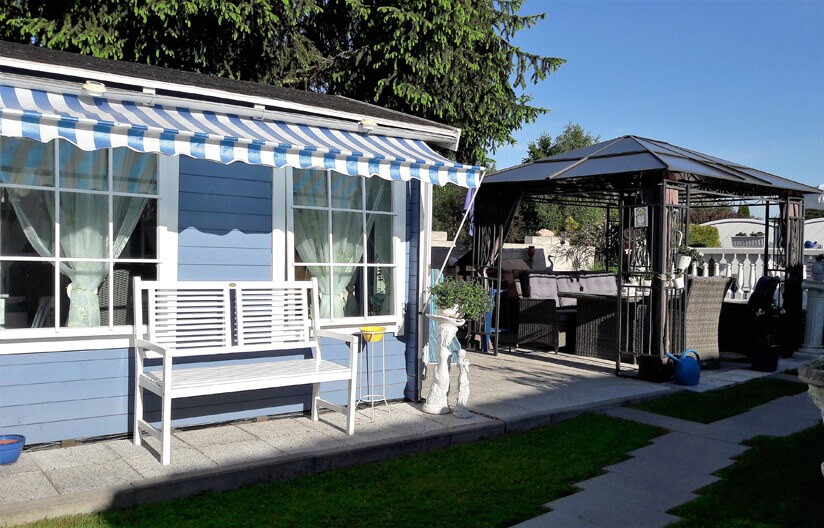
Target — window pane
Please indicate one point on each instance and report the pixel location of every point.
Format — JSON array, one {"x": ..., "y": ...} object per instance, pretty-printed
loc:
[
  {"x": 347, "y": 237},
  {"x": 135, "y": 227},
  {"x": 79, "y": 287},
  {"x": 26, "y": 294},
  {"x": 122, "y": 294},
  {"x": 83, "y": 170},
  {"x": 84, "y": 225},
  {"x": 26, "y": 224},
  {"x": 322, "y": 273},
  {"x": 347, "y": 291},
  {"x": 309, "y": 187},
  {"x": 381, "y": 292},
  {"x": 134, "y": 172},
  {"x": 346, "y": 191},
  {"x": 26, "y": 162},
  {"x": 378, "y": 194},
  {"x": 379, "y": 241},
  {"x": 311, "y": 235}
]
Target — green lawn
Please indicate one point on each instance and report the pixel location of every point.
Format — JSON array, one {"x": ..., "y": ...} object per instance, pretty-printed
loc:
[
  {"x": 497, "y": 482},
  {"x": 707, "y": 407},
  {"x": 776, "y": 483}
]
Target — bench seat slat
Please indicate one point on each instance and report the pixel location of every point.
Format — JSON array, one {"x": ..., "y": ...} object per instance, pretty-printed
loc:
[{"x": 197, "y": 381}]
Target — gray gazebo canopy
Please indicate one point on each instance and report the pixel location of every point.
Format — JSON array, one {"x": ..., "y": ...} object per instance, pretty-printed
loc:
[{"x": 628, "y": 161}]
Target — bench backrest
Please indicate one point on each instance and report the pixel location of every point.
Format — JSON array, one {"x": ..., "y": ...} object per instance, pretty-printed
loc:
[{"x": 224, "y": 316}]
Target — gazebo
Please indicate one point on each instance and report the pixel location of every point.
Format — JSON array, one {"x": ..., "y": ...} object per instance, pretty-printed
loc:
[{"x": 647, "y": 188}]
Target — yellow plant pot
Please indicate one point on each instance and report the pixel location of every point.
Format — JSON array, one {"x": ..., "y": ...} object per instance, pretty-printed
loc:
[{"x": 372, "y": 334}]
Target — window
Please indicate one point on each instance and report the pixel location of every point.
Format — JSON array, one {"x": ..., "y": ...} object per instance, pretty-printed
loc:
[
  {"x": 344, "y": 236},
  {"x": 75, "y": 227}
]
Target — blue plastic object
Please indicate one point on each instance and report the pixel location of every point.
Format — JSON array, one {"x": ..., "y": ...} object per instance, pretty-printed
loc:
[
  {"x": 10, "y": 448},
  {"x": 687, "y": 369}
]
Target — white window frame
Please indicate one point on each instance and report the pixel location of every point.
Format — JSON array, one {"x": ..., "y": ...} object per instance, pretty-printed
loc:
[
  {"x": 395, "y": 322},
  {"x": 32, "y": 340}
]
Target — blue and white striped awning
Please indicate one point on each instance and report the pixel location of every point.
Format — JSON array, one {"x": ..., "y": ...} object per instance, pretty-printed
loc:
[{"x": 97, "y": 122}]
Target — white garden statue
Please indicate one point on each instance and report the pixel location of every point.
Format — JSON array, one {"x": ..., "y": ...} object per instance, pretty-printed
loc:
[{"x": 437, "y": 402}]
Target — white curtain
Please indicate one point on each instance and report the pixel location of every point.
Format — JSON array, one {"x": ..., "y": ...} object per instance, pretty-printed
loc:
[
  {"x": 312, "y": 245},
  {"x": 84, "y": 219}
]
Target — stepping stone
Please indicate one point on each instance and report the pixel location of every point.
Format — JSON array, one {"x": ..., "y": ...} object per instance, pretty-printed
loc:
[
  {"x": 681, "y": 479},
  {"x": 647, "y": 491},
  {"x": 608, "y": 510},
  {"x": 555, "y": 520}
]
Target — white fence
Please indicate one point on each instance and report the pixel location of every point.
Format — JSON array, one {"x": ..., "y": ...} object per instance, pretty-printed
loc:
[{"x": 745, "y": 264}]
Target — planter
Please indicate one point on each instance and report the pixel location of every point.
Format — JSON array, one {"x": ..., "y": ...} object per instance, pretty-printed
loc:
[
  {"x": 454, "y": 312},
  {"x": 765, "y": 358},
  {"x": 684, "y": 262},
  {"x": 10, "y": 448},
  {"x": 748, "y": 241},
  {"x": 813, "y": 375},
  {"x": 678, "y": 282}
]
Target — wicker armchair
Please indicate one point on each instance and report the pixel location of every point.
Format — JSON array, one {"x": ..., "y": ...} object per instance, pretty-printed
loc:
[{"x": 704, "y": 302}]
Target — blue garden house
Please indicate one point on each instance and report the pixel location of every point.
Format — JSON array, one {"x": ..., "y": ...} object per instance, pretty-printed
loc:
[{"x": 111, "y": 171}]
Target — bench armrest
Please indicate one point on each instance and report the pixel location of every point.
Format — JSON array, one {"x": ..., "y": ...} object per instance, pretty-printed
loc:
[
  {"x": 148, "y": 345},
  {"x": 342, "y": 336}
]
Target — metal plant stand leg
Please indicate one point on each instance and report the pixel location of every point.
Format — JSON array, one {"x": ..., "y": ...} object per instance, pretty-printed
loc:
[
  {"x": 367, "y": 370},
  {"x": 462, "y": 408}
]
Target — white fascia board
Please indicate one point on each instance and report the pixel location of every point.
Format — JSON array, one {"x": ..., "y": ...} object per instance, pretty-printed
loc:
[{"x": 443, "y": 136}]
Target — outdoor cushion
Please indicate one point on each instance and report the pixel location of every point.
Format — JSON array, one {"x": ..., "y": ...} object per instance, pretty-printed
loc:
[
  {"x": 600, "y": 283},
  {"x": 541, "y": 286},
  {"x": 566, "y": 284}
]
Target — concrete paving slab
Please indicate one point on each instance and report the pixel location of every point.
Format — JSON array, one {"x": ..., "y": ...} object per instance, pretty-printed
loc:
[
  {"x": 211, "y": 436},
  {"x": 146, "y": 458},
  {"x": 644, "y": 468},
  {"x": 25, "y": 487},
  {"x": 606, "y": 509},
  {"x": 90, "y": 476},
  {"x": 279, "y": 427},
  {"x": 97, "y": 453},
  {"x": 697, "y": 443},
  {"x": 656, "y": 420},
  {"x": 239, "y": 452},
  {"x": 647, "y": 492},
  {"x": 712, "y": 457},
  {"x": 24, "y": 464},
  {"x": 556, "y": 519},
  {"x": 149, "y": 447},
  {"x": 775, "y": 421}
]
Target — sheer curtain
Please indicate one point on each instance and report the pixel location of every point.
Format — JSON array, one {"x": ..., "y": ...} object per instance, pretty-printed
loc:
[
  {"x": 312, "y": 245},
  {"x": 84, "y": 219}
]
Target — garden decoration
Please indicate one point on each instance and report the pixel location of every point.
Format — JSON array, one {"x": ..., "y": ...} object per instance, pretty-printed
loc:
[
  {"x": 687, "y": 368},
  {"x": 813, "y": 375},
  {"x": 686, "y": 255},
  {"x": 10, "y": 448},
  {"x": 768, "y": 346},
  {"x": 817, "y": 269},
  {"x": 454, "y": 300}
]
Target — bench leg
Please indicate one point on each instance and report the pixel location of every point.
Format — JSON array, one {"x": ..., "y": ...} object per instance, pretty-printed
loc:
[
  {"x": 315, "y": 395},
  {"x": 138, "y": 413},
  {"x": 350, "y": 409},
  {"x": 166, "y": 431}
]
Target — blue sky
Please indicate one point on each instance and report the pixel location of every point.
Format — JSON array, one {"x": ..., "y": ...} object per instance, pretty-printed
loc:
[{"x": 740, "y": 80}]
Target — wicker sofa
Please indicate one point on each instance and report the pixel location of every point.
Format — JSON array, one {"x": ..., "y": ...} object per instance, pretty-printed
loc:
[{"x": 543, "y": 314}]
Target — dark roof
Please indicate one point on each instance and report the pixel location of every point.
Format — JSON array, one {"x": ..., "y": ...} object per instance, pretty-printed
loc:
[
  {"x": 634, "y": 155},
  {"x": 245, "y": 88}
]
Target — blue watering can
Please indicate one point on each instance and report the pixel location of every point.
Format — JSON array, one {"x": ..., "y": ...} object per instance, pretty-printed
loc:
[{"x": 687, "y": 369}]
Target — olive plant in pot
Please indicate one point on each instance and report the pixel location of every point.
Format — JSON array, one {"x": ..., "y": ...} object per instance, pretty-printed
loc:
[
  {"x": 768, "y": 345},
  {"x": 686, "y": 255},
  {"x": 813, "y": 375},
  {"x": 453, "y": 301}
]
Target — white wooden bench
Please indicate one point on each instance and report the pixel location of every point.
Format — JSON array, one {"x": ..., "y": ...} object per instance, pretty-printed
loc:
[{"x": 187, "y": 319}]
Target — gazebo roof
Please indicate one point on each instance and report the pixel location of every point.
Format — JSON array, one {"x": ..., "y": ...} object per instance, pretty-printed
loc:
[{"x": 633, "y": 155}]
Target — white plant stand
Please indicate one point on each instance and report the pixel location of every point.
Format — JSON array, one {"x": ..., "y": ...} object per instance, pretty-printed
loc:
[
  {"x": 366, "y": 377},
  {"x": 437, "y": 401},
  {"x": 813, "y": 334}
]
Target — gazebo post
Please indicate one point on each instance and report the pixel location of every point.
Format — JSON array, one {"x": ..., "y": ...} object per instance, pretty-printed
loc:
[
  {"x": 658, "y": 303},
  {"x": 766, "y": 237},
  {"x": 620, "y": 279}
]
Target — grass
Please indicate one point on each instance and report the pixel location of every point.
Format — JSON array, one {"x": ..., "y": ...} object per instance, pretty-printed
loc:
[
  {"x": 710, "y": 406},
  {"x": 776, "y": 483},
  {"x": 496, "y": 482}
]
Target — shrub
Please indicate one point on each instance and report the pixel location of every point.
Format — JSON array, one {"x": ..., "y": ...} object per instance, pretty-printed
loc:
[
  {"x": 470, "y": 297},
  {"x": 704, "y": 236}
]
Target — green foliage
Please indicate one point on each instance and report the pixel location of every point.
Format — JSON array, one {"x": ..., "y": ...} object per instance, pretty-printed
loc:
[
  {"x": 775, "y": 483},
  {"x": 704, "y": 236},
  {"x": 810, "y": 214},
  {"x": 447, "y": 60},
  {"x": 573, "y": 137},
  {"x": 693, "y": 253},
  {"x": 495, "y": 482},
  {"x": 711, "y": 406},
  {"x": 447, "y": 208},
  {"x": 744, "y": 211},
  {"x": 470, "y": 297}
]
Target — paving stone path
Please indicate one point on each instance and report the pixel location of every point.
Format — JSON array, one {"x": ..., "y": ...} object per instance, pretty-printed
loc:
[{"x": 640, "y": 491}]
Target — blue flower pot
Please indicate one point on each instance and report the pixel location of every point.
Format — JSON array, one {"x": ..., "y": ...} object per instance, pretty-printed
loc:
[{"x": 10, "y": 448}]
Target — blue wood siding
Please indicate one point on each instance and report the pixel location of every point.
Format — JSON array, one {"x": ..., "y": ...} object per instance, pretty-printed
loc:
[
  {"x": 225, "y": 221},
  {"x": 413, "y": 223},
  {"x": 225, "y": 234}
]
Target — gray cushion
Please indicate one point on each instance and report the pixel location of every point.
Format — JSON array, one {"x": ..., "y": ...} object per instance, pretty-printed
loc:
[
  {"x": 543, "y": 286},
  {"x": 567, "y": 284},
  {"x": 600, "y": 283}
]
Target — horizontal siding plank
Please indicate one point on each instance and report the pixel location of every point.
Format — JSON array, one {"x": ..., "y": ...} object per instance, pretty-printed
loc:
[
  {"x": 61, "y": 357},
  {"x": 225, "y": 204},
  {"x": 213, "y": 238},
  {"x": 224, "y": 221},
  {"x": 237, "y": 170},
  {"x": 230, "y": 273},
  {"x": 191, "y": 183},
  {"x": 219, "y": 257}
]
